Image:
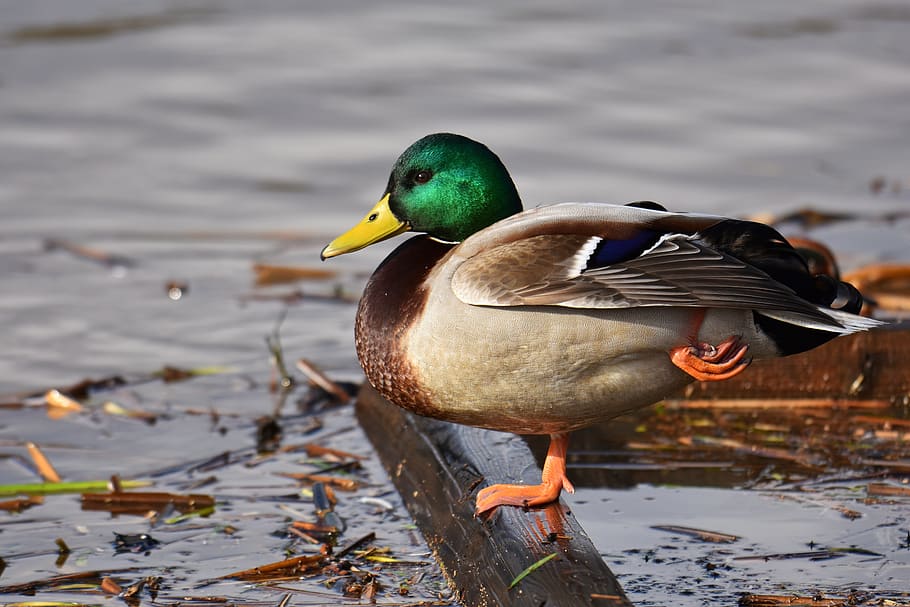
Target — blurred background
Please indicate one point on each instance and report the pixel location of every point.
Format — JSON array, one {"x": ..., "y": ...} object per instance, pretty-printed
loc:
[{"x": 184, "y": 136}]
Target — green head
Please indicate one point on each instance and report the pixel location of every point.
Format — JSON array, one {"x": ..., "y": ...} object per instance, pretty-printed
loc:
[{"x": 446, "y": 185}]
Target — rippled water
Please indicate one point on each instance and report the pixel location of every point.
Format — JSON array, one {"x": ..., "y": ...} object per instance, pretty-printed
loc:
[
  {"x": 167, "y": 119},
  {"x": 195, "y": 138}
]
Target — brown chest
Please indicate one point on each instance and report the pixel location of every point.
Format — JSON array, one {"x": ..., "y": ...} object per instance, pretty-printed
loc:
[{"x": 392, "y": 301}]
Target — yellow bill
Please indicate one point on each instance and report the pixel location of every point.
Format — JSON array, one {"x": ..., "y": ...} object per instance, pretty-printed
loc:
[{"x": 380, "y": 223}]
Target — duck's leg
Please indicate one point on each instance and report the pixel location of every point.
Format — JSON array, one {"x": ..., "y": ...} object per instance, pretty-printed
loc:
[
  {"x": 553, "y": 480},
  {"x": 706, "y": 362}
]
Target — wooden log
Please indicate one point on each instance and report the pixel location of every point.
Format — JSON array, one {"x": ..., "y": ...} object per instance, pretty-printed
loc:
[
  {"x": 866, "y": 366},
  {"x": 437, "y": 467}
]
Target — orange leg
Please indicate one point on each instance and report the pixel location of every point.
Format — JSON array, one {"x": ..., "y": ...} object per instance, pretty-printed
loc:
[
  {"x": 553, "y": 480},
  {"x": 706, "y": 362}
]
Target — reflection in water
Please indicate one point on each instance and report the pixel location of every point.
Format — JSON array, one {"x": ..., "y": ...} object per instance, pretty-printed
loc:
[{"x": 738, "y": 448}]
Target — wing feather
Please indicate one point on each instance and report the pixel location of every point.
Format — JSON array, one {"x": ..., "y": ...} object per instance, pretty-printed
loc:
[{"x": 678, "y": 271}]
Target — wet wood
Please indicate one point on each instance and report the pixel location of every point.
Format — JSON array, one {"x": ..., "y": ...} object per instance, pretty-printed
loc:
[
  {"x": 868, "y": 369},
  {"x": 438, "y": 467},
  {"x": 884, "y": 489}
]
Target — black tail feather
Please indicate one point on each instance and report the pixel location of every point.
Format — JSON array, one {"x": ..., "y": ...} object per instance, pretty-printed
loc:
[{"x": 765, "y": 248}]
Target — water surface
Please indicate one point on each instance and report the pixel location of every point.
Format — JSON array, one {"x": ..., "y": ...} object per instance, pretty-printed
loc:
[{"x": 195, "y": 138}]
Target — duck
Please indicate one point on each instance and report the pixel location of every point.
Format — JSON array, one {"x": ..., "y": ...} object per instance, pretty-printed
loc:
[{"x": 547, "y": 320}]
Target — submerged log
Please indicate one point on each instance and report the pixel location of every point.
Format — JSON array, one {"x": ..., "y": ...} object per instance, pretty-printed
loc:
[{"x": 438, "y": 467}]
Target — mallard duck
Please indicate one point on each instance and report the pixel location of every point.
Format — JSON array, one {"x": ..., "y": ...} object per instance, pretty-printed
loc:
[{"x": 547, "y": 320}]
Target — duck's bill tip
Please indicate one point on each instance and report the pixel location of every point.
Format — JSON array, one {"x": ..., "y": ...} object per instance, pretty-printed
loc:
[{"x": 378, "y": 224}]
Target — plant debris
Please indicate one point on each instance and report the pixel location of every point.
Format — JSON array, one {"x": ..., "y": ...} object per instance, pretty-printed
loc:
[
  {"x": 347, "y": 484},
  {"x": 57, "y": 400},
  {"x": 22, "y": 503},
  {"x": 705, "y": 536},
  {"x": 110, "y": 260},
  {"x": 320, "y": 379},
  {"x": 267, "y": 274},
  {"x": 140, "y": 502},
  {"x": 66, "y": 487},
  {"x": 532, "y": 568},
  {"x": 45, "y": 468}
]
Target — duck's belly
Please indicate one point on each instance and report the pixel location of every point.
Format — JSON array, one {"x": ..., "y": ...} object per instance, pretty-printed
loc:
[{"x": 543, "y": 370}]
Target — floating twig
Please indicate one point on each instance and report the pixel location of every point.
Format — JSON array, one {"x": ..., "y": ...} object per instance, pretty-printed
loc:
[
  {"x": 297, "y": 295},
  {"x": 314, "y": 450},
  {"x": 313, "y": 527},
  {"x": 812, "y": 555},
  {"x": 60, "y": 580},
  {"x": 885, "y": 463},
  {"x": 356, "y": 544},
  {"x": 303, "y": 535},
  {"x": 267, "y": 274},
  {"x": 702, "y": 534},
  {"x": 45, "y": 468},
  {"x": 346, "y": 484},
  {"x": 756, "y": 450},
  {"x": 112, "y": 408},
  {"x": 282, "y": 570},
  {"x": 884, "y": 489},
  {"x": 788, "y": 600},
  {"x": 170, "y": 374},
  {"x": 140, "y": 502},
  {"x": 317, "y": 377},
  {"x": 887, "y": 422},
  {"x": 110, "y": 260},
  {"x": 22, "y": 503}
]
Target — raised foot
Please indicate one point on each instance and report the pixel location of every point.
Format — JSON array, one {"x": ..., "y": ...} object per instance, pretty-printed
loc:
[
  {"x": 705, "y": 362},
  {"x": 553, "y": 480}
]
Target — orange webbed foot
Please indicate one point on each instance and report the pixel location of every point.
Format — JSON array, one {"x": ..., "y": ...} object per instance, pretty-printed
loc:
[
  {"x": 705, "y": 362},
  {"x": 553, "y": 481},
  {"x": 525, "y": 496}
]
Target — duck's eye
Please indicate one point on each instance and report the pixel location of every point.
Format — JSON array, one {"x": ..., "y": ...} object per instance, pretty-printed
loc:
[{"x": 422, "y": 176}]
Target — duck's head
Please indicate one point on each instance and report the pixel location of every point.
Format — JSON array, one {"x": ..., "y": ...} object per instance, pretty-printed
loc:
[{"x": 445, "y": 185}]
